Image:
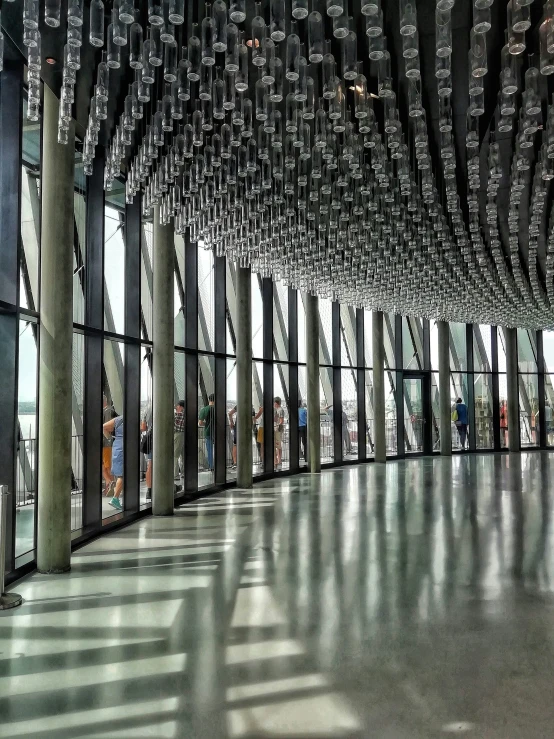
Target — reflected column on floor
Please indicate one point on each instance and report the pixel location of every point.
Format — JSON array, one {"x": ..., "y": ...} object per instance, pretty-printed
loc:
[
  {"x": 378, "y": 347},
  {"x": 312, "y": 371},
  {"x": 56, "y": 339},
  {"x": 244, "y": 377},
  {"x": 163, "y": 344},
  {"x": 445, "y": 413}
]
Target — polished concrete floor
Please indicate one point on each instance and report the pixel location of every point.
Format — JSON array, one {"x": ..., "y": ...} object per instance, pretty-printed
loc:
[{"x": 409, "y": 601}]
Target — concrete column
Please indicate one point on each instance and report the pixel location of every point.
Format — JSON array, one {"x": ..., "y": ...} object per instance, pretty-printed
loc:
[
  {"x": 163, "y": 343},
  {"x": 244, "y": 378},
  {"x": 512, "y": 381},
  {"x": 56, "y": 338},
  {"x": 445, "y": 409},
  {"x": 378, "y": 347},
  {"x": 312, "y": 371}
]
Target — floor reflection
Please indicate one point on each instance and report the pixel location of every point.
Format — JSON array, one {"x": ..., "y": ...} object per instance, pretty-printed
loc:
[{"x": 412, "y": 599}]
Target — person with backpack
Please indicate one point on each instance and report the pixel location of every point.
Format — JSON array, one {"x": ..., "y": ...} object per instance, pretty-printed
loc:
[
  {"x": 460, "y": 418},
  {"x": 206, "y": 418}
]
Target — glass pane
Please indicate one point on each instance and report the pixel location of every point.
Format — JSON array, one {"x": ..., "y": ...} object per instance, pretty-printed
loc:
[
  {"x": 348, "y": 336},
  {"x": 548, "y": 350},
  {"x": 368, "y": 338},
  {"x": 458, "y": 347},
  {"x": 27, "y": 402},
  {"x": 369, "y": 418},
  {"x": 389, "y": 331},
  {"x": 281, "y": 417},
  {"x": 349, "y": 414},
  {"x": 179, "y": 291},
  {"x": 179, "y": 422},
  {"x": 231, "y": 307},
  {"x": 206, "y": 421},
  {"x": 501, "y": 349},
  {"x": 231, "y": 420},
  {"x": 412, "y": 343},
  {"x": 30, "y": 214},
  {"x": 458, "y": 391},
  {"x": 390, "y": 413},
  {"x": 529, "y": 409},
  {"x": 482, "y": 349},
  {"x": 257, "y": 318},
  {"x": 258, "y": 405},
  {"x": 301, "y": 328},
  {"x": 527, "y": 350},
  {"x": 205, "y": 299},
  {"x": 114, "y": 429},
  {"x": 435, "y": 410},
  {"x": 79, "y": 251},
  {"x": 434, "y": 344},
  {"x": 145, "y": 458},
  {"x": 146, "y": 283},
  {"x": 78, "y": 359},
  {"x": 549, "y": 408},
  {"x": 503, "y": 399},
  {"x": 280, "y": 321},
  {"x": 484, "y": 427},
  {"x": 413, "y": 413},
  {"x": 326, "y": 416},
  {"x": 302, "y": 416},
  {"x": 325, "y": 331},
  {"x": 114, "y": 270}
]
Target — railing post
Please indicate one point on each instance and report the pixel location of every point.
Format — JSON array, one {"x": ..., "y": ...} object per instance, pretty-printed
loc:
[{"x": 7, "y": 600}]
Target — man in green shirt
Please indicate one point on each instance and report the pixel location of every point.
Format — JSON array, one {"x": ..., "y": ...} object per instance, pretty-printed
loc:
[{"x": 206, "y": 418}]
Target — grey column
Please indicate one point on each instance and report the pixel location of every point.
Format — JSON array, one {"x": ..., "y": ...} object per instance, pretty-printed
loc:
[
  {"x": 312, "y": 372},
  {"x": 244, "y": 378},
  {"x": 445, "y": 411},
  {"x": 56, "y": 336},
  {"x": 378, "y": 348},
  {"x": 512, "y": 380},
  {"x": 162, "y": 370}
]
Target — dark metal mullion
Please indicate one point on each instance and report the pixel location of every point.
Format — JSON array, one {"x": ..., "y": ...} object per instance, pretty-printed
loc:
[
  {"x": 267, "y": 301},
  {"x": 94, "y": 347},
  {"x": 360, "y": 384},
  {"x": 191, "y": 366},
  {"x": 399, "y": 362},
  {"x": 294, "y": 450},
  {"x": 470, "y": 386},
  {"x": 11, "y": 115},
  {"x": 220, "y": 370},
  {"x": 541, "y": 390},
  {"x": 131, "y": 392},
  {"x": 495, "y": 389},
  {"x": 337, "y": 382}
]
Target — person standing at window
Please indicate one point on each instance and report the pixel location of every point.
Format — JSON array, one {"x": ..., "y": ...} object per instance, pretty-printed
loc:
[
  {"x": 462, "y": 421},
  {"x": 206, "y": 418},
  {"x": 303, "y": 430},
  {"x": 178, "y": 436},
  {"x": 108, "y": 415},
  {"x": 278, "y": 428},
  {"x": 115, "y": 428}
]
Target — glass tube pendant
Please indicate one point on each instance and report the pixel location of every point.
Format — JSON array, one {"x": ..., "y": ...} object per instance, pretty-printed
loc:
[
  {"x": 478, "y": 48},
  {"x": 349, "y": 56},
  {"x": 155, "y": 12},
  {"x": 443, "y": 33},
  {"x": 232, "y": 51},
  {"x": 276, "y": 22},
  {"x": 119, "y": 28},
  {"x": 219, "y": 12},
  {"x": 114, "y": 51},
  {"x": 292, "y": 56},
  {"x": 208, "y": 37},
  {"x": 194, "y": 56},
  {"x": 176, "y": 12},
  {"x": 75, "y": 12},
  {"x": 96, "y": 31},
  {"x": 335, "y": 8},
  {"x": 546, "y": 58},
  {"x": 127, "y": 12},
  {"x": 135, "y": 46},
  {"x": 408, "y": 22},
  {"x": 481, "y": 19},
  {"x": 237, "y": 11},
  {"x": 30, "y": 14},
  {"x": 316, "y": 37},
  {"x": 52, "y": 13},
  {"x": 156, "y": 47}
]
